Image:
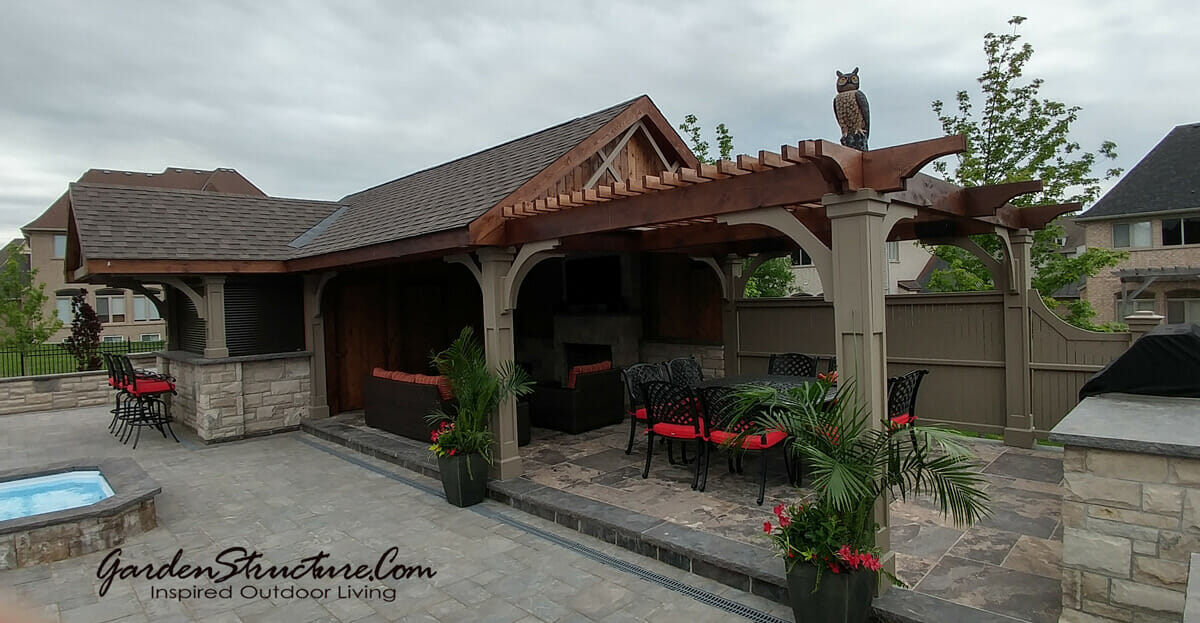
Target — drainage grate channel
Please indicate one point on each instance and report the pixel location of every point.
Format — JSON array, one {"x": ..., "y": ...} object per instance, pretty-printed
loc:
[{"x": 701, "y": 595}]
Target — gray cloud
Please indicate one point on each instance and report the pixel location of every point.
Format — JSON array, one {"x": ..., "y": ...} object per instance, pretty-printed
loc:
[{"x": 318, "y": 100}]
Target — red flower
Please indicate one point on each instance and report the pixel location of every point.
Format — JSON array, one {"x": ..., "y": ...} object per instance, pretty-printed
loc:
[
  {"x": 767, "y": 527},
  {"x": 452, "y": 451},
  {"x": 784, "y": 521},
  {"x": 833, "y": 567},
  {"x": 779, "y": 510}
]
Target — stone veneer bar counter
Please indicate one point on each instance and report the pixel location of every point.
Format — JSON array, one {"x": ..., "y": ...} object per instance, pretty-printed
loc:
[
  {"x": 1131, "y": 513},
  {"x": 228, "y": 398}
]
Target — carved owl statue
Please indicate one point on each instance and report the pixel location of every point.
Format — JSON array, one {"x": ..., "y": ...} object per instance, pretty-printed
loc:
[{"x": 852, "y": 112}]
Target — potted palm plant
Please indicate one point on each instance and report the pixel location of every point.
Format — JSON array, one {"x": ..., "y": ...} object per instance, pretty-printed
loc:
[
  {"x": 828, "y": 543},
  {"x": 463, "y": 441}
]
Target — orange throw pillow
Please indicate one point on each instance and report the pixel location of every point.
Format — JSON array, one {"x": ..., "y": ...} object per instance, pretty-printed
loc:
[{"x": 587, "y": 369}]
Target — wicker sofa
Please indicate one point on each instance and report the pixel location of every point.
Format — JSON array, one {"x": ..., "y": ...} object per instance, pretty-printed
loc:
[
  {"x": 398, "y": 402},
  {"x": 592, "y": 398}
]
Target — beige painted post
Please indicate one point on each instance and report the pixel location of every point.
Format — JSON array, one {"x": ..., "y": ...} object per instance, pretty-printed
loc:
[
  {"x": 314, "y": 341},
  {"x": 499, "y": 348},
  {"x": 214, "y": 318},
  {"x": 735, "y": 285},
  {"x": 859, "y": 232},
  {"x": 1140, "y": 323},
  {"x": 1018, "y": 426}
]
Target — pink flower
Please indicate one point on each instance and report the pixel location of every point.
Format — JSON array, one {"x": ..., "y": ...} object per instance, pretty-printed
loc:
[
  {"x": 452, "y": 451},
  {"x": 767, "y": 527},
  {"x": 784, "y": 521},
  {"x": 779, "y": 510}
]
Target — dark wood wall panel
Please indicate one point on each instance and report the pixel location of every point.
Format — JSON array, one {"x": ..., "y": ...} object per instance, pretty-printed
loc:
[
  {"x": 393, "y": 318},
  {"x": 681, "y": 300}
]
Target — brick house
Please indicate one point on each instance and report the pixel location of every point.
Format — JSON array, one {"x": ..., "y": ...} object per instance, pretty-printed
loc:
[
  {"x": 1154, "y": 214},
  {"x": 127, "y": 315}
]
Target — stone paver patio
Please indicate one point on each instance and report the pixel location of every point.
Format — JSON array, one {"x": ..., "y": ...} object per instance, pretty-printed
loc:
[
  {"x": 1008, "y": 564},
  {"x": 290, "y": 496}
]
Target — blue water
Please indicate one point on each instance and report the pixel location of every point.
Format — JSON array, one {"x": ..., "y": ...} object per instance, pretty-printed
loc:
[{"x": 56, "y": 492}]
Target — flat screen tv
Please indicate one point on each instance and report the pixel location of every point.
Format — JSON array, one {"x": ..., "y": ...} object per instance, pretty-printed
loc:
[{"x": 592, "y": 283}]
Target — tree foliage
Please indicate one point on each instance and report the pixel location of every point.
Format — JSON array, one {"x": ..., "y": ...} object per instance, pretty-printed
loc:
[
  {"x": 23, "y": 321},
  {"x": 772, "y": 278},
  {"x": 1017, "y": 136},
  {"x": 84, "y": 341}
]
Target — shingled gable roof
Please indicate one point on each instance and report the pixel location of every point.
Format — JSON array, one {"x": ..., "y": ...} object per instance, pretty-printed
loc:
[
  {"x": 452, "y": 195},
  {"x": 1167, "y": 179},
  {"x": 215, "y": 180},
  {"x": 130, "y": 223}
]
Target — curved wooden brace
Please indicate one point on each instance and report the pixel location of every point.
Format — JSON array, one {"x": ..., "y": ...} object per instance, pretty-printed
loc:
[
  {"x": 528, "y": 257},
  {"x": 466, "y": 260},
  {"x": 994, "y": 267},
  {"x": 781, "y": 220},
  {"x": 159, "y": 304},
  {"x": 887, "y": 169},
  {"x": 1036, "y": 217},
  {"x": 712, "y": 263},
  {"x": 197, "y": 300},
  {"x": 323, "y": 281},
  {"x": 986, "y": 200},
  {"x": 895, "y": 214}
]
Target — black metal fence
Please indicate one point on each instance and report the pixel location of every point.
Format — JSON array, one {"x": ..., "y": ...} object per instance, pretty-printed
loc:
[{"x": 54, "y": 359}]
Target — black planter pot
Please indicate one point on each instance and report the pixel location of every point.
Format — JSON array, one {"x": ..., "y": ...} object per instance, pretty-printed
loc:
[
  {"x": 841, "y": 598},
  {"x": 464, "y": 478}
]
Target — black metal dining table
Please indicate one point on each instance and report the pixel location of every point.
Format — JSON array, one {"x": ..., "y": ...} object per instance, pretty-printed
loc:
[{"x": 777, "y": 381}]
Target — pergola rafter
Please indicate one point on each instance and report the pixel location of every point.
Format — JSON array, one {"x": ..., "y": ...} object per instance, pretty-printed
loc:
[{"x": 796, "y": 177}]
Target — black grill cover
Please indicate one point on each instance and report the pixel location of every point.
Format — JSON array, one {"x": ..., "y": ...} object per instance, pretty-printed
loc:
[{"x": 1164, "y": 362}]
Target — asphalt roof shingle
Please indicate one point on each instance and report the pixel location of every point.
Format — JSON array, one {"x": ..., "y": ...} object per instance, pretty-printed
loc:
[
  {"x": 124, "y": 222},
  {"x": 1168, "y": 178},
  {"x": 451, "y": 195}
]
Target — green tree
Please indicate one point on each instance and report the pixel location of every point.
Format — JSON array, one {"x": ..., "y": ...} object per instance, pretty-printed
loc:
[
  {"x": 1020, "y": 136},
  {"x": 772, "y": 278},
  {"x": 23, "y": 321}
]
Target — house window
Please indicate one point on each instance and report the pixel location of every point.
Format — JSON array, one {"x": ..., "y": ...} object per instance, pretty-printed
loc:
[
  {"x": 1183, "y": 306},
  {"x": 109, "y": 339},
  {"x": 110, "y": 306},
  {"x": 60, "y": 246},
  {"x": 1177, "y": 231},
  {"x": 1131, "y": 235},
  {"x": 1125, "y": 308},
  {"x": 144, "y": 310},
  {"x": 151, "y": 337},
  {"x": 62, "y": 305},
  {"x": 801, "y": 258},
  {"x": 893, "y": 251}
]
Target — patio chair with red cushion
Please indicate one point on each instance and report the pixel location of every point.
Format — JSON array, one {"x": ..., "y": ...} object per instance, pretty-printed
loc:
[
  {"x": 719, "y": 405},
  {"x": 685, "y": 371},
  {"x": 147, "y": 408},
  {"x": 673, "y": 412},
  {"x": 591, "y": 399},
  {"x": 634, "y": 376},
  {"x": 902, "y": 398},
  {"x": 792, "y": 364}
]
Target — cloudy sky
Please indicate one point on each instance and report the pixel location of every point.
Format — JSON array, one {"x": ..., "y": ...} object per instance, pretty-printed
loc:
[{"x": 320, "y": 99}]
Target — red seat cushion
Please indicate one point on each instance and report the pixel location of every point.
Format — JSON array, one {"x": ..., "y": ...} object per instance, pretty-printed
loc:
[
  {"x": 902, "y": 420},
  {"x": 753, "y": 442},
  {"x": 589, "y": 368},
  {"x": 678, "y": 431},
  {"x": 380, "y": 372},
  {"x": 152, "y": 387},
  {"x": 445, "y": 388},
  {"x": 443, "y": 385},
  {"x": 640, "y": 413}
]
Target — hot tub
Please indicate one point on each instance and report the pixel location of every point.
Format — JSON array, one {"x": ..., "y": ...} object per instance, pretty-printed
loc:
[
  {"x": 52, "y": 512},
  {"x": 55, "y": 492}
]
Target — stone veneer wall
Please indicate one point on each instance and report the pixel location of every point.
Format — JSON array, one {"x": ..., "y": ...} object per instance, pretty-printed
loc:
[
  {"x": 58, "y": 542},
  {"x": 24, "y": 394},
  {"x": 710, "y": 356},
  {"x": 1131, "y": 522},
  {"x": 234, "y": 397}
]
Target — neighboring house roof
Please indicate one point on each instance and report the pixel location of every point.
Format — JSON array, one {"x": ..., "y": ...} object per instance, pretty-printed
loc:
[
  {"x": 1069, "y": 291},
  {"x": 1166, "y": 179},
  {"x": 216, "y": 180},
  {"x": 124, "y": 222},
  {"x": 921, "y": 283},
  {"x": 451, "y": 195}
]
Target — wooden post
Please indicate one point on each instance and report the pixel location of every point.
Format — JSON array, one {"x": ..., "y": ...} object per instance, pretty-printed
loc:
[
  {"x": 859, "y": 231},
  {"x": 735, "y": 285},
  {"x": 314, "y": 341},
  {"x": 1140, "y": 323},
  {"x": 1018, "y": 427},
  {"x": 214, "y": 318},
  {"x": 499, "y": 348}
]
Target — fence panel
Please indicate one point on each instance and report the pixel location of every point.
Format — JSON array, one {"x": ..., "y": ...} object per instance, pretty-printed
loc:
[{"x": 54, "y": 358}]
